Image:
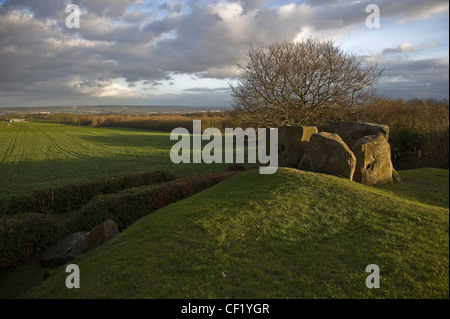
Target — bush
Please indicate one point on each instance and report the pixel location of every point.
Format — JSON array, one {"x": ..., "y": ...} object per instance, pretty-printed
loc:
[
  {"x": 419, "y": 129},
  {"x": 18, "y": 205},
  {"x": 130, "y": 205},
  {"x": 406, "y": 138},
  {"x": 71, "y": 197},
  {"x": 123, "y": 208},
  {"x": 24, "y": 235}
]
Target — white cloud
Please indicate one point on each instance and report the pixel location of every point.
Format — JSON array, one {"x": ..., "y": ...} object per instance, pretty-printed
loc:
[
  {"x": 408, "y": 47},
  {"x": 99, "y": 88}
]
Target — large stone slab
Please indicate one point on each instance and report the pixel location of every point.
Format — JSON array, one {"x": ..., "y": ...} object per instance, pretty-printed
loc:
[
  {"x": 351, "y": 132},
  {"x": 373, "y": 160},
  {"x": 101, "y": 234},
  {"x": 66, "y": 250},
  {"x": 292, "y": 142},
  {"x": 327, "y": 153}
]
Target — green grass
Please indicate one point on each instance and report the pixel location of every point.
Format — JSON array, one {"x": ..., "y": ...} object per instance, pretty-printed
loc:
[
  {"x": 37, "y": 155},
  {"x": 293, "y": 234},
  {"x": 14, "y": 282},
  {"x": 426, "y": 185}
]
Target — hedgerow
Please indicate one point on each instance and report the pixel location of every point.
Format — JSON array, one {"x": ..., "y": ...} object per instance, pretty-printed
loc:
[
  {"x": 127, "y": 206},
  {"x": 71, "y": 197},
  {"x": 24, "y": 235}
]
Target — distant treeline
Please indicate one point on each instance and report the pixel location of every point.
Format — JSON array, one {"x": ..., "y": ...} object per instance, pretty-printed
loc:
[
  {"x": 164, "y": 123},
  {"x": 419, "y": 128}
]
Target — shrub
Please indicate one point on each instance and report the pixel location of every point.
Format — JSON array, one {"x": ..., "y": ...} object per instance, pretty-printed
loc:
[
  {"x": 123, "y": 208},
  {"x": 74, "y": 196},
  {"x": 130, "y": 205},
  {"x": 406, "y": 138},
  {"x": 417, "y": 127},
  {"x": 18, "y": 205},
  {"x": 186, "y": 188},
  {"x": 166, "y": 195},
  {"x": 24, "y": 235}
]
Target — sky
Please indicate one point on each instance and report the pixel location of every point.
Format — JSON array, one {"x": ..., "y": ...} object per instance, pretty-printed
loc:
[{"x": 137, "y": 52}]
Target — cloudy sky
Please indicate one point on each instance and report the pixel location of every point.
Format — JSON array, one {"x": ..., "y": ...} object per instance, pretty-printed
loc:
[{"x": 140, "y": 52}]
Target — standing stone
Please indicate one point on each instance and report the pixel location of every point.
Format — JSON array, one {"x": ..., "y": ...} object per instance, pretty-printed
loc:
[
  {"x": 373, "y": 160},
  {"x": 102, "y": 233},
  {"x": 292, "y": 142},
  {"x": 351, "y": 132},
  {"x": 327, "y": 153}
]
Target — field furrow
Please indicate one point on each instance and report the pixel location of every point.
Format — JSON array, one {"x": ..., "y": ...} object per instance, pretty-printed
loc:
[
  {"x": 11, "y": 146},
  {"x": 63, "y": 150}
]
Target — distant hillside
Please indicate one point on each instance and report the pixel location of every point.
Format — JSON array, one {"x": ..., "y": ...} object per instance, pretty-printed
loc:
[
  {"x": 293, "y": 234},
  {"x": 106, "y": 109}
]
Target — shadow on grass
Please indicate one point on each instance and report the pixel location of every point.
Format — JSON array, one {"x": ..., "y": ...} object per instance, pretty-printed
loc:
[{"x": 23, "y": 177}]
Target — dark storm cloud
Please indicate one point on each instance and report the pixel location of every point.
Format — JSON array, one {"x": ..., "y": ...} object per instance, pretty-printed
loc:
[
  {"x": 426, "y": 78},
  {"x": 250, "y": 5},
  {"x": 171, "y": 7},
  {"x": 338, "y": 14},
  {"x": 53, "y": 9},
  {"x": 205, "y": 89},
  {"x": 112, "y": 8}
]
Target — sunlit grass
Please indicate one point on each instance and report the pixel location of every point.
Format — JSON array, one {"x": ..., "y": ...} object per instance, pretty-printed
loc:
[{"x": 289, "y": 235}]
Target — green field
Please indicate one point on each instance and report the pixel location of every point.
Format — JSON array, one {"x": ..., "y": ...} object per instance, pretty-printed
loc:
[{"x": 38, "y": 155}]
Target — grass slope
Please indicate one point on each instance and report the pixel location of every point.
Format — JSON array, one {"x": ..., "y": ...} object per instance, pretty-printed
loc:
[
  {"x": 426, "y": 185},
  {"x": 289, "y": 235}
]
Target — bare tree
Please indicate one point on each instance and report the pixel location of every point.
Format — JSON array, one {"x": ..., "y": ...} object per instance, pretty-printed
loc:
[{"x": 287, "y": 83}]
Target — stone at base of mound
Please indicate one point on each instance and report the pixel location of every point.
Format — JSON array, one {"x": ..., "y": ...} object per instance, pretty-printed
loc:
[
  {"x": 101, "y": 234},
  {"x": 66, "y": 250},
  {"x": 396, "y": 177}
]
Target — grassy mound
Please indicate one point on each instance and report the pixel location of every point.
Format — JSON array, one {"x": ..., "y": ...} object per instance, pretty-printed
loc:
[{"x": 289, "y": 235}]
